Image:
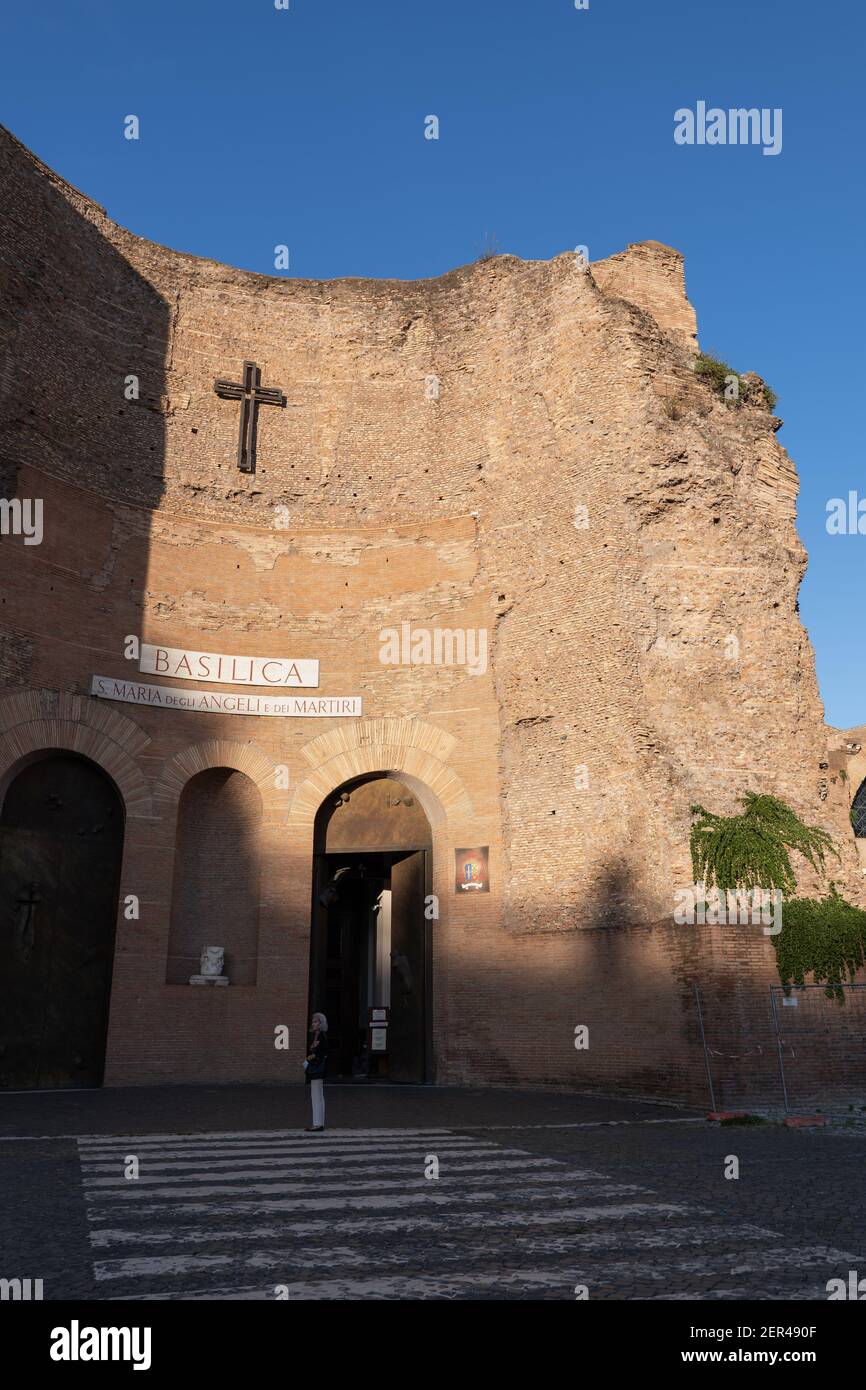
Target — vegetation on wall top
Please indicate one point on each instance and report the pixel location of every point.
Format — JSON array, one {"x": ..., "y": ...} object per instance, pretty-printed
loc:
[{"x": 730, "y": 385}]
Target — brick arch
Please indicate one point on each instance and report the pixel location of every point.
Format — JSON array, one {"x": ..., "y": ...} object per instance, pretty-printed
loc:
[
  {"x": 409, "y": 748},
  {"x": 217, "y": 752},
  {"x": 41, "y": 721}
]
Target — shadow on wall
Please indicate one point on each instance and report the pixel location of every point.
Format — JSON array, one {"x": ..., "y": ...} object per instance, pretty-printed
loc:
[
  {"x": 83, "y": 345},
  {"x": 613, "y": 1008},
  {"x": 84, "y": 339},
  {"x": 612, "y": 893}
]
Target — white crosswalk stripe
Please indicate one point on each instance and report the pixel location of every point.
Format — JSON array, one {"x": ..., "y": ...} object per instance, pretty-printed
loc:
[{"x": 356, "y": 1215}]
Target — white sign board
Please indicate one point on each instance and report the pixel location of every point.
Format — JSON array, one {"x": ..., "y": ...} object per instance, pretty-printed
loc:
[
  {"x": 180, "y": 664},
  {"x": 226, "y": 702}
]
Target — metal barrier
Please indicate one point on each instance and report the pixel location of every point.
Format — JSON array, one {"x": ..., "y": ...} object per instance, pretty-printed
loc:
[
  {"x": 821, "y": 1043},
  {"x": 803, "y": 1052},
  {"x": 739, "y": 1044}
]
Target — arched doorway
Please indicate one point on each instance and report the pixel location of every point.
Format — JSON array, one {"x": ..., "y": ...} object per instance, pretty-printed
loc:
[
  {"x": 370, "y": 942},
  {"x": 61, "y": 842}
]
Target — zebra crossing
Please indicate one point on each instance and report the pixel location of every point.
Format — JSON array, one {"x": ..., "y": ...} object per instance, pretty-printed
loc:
[{"x": 407, "y": 1214}]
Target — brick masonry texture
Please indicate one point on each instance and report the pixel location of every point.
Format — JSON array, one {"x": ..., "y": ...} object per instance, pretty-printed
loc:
[{"x": 374, "y": 505}]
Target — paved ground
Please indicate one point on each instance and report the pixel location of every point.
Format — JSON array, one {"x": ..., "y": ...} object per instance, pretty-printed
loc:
[{"x": 536, "y": 1194}]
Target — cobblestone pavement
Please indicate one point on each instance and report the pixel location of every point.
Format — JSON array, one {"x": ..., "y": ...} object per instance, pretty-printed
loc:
[{"x": 535, "y": 1195}]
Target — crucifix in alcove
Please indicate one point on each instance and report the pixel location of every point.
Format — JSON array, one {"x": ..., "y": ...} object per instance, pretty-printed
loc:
[
  {"x": 251, "y": 395},
  {"x": 26, "y": 931}
]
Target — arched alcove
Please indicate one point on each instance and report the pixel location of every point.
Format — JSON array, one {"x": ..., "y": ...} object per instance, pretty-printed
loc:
[
  {"x": 215, "y": 895},
  {"x": 858, "y": 812},
  {"x": 61, "y": 843}
]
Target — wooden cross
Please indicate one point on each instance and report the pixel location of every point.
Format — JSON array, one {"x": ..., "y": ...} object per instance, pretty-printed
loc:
[
  {"x": 27, "y": 933},
  {"x": 251, "y": 395}
]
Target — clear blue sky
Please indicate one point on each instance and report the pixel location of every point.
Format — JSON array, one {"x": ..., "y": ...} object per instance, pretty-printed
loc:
[{"x": 305, "y": 127}]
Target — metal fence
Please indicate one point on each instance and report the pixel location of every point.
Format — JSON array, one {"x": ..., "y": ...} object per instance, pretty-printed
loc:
[
  {"x": 799, "y": 1053},
  {"x": 821, "y": 1045}
]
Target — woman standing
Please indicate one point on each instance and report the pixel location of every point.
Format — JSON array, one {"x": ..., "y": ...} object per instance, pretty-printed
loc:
[{"x": 315, "y": 1065}]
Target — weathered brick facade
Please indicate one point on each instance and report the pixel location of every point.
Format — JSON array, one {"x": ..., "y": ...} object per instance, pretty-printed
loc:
[{"x": 438, "y": 441}]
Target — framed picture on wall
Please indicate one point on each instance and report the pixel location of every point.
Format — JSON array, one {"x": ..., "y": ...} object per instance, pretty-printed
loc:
[{"x": 472, "y": 872}]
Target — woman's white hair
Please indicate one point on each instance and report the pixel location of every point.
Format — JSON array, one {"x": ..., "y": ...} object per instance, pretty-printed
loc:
[{"x": 323, "y": 1022}]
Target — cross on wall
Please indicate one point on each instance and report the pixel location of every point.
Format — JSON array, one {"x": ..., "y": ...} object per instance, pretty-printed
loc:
[{"x": 251, "y": 395}]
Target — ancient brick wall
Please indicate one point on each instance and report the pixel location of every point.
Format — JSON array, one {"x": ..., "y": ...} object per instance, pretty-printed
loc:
[{"x": 437, "y": 444}]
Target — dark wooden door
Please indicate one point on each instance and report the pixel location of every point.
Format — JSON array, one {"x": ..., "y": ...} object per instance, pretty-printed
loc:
[
  {"x": 339, "y": 955},
  {"x": 407, "y": 1031},
  {"x": 346, "y": 921},
  {"x": 61, "y": 841}
]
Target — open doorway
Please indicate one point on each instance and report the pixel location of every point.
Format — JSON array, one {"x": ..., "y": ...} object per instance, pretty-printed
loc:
[{"x": 370, "y": 943}]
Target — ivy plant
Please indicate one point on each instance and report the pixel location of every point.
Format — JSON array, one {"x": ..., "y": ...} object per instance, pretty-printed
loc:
[
  {"x": 752, "y": 849},
  {"x": 826, "y": 937},
  {"x": 822, "y": 937}
]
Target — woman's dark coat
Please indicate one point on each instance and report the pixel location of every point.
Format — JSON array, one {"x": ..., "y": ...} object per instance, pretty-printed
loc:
[{"x": 319, "y": 1051}]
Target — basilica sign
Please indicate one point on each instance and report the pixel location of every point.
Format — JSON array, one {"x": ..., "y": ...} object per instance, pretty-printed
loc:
[
  {"x": 227, "y": 702},
  {"x": 228, "y": 670}
]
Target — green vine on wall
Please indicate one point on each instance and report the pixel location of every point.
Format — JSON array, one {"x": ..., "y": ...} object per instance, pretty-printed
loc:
[
  {"x": 751, "y": 850},
  {"x": 825, "y": 938}
]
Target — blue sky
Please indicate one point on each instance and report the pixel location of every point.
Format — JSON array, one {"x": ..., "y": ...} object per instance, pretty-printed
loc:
[{"x": 305, "y": 127}]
